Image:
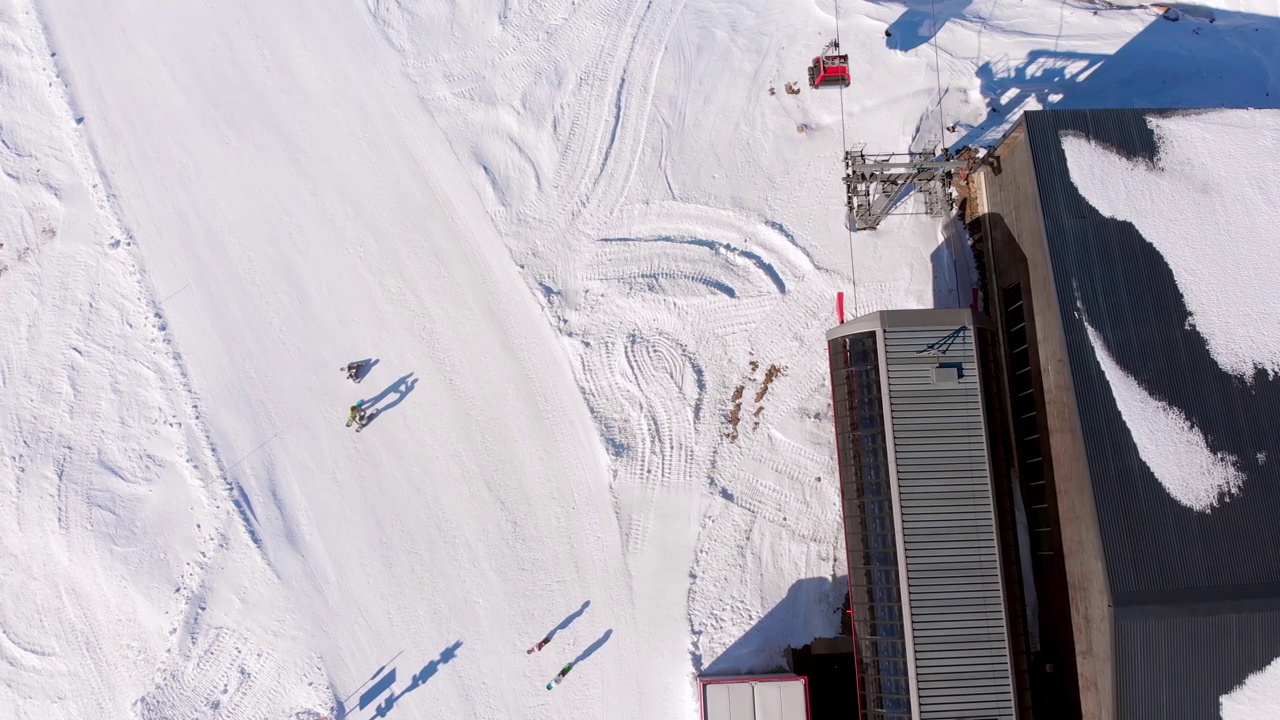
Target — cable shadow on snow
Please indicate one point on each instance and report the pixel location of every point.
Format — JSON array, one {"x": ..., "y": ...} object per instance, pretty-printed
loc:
[{"x": 1191, "y": 57}]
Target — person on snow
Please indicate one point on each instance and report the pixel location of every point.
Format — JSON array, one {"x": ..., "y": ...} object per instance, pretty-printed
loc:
[
  {"x": 357, "y": 414},
  {"x": 353, "y": 371}
]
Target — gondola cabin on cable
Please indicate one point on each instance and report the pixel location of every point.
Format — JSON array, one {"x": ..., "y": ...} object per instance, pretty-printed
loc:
[{"x": 830, "y": 69}]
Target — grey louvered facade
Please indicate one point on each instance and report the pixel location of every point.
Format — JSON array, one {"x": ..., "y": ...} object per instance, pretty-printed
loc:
[{"x": 925, "y": 558}]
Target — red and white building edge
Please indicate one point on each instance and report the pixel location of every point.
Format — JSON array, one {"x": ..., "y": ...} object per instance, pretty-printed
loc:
[{"x": 754, "y": 697}]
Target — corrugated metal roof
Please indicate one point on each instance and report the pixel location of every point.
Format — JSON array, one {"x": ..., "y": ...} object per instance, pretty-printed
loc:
[
  {"x": 1196, "y": 595},
  {"x": 955, "y": 600},
  {"x": 1178, "y": 668},
  {"x": 755, "y": 700},
  {"x": 1156, "y": 549}
]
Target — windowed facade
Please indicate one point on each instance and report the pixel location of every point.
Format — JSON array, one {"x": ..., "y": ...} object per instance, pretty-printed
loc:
[
  {"x": 874, "y": 583},
  {"x": 926, "y": 587}
]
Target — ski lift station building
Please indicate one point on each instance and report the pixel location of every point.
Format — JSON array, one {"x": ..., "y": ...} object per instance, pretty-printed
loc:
[
  {"x": 933, "y": 579},
  {"x": 1150, "y": 472}
]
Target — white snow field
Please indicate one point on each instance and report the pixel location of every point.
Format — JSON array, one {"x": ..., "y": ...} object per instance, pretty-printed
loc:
[{"x": 593, "y": 244}]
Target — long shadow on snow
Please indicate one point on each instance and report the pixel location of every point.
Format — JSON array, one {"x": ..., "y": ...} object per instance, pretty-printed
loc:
[
  {"x": 810, "y": 609},
  {"x": 401, "y": 388},
  {"x": 568, "y": 620},
  {"x": 1209, "y": 58},
  {"x": 920, "y": 22},
  {"x": 387, "y": 681},
  {"x": 593, "y": 647}
]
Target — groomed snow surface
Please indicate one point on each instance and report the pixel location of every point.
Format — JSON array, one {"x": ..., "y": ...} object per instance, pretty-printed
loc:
[{"x": 593, "y": 245}]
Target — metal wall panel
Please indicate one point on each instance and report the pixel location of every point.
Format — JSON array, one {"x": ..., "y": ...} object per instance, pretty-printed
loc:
[
  {"x": 1178, "y": 668},
  {"x": 870, "y": 530},
  {"x": 1106, "y": 271},
  {"x": 1176, "y": 576},
  {"x": 954, "y": 593}
]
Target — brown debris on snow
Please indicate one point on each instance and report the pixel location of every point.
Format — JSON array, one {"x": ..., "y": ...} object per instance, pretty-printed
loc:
[
  {"x": 735, "y": 414},
  {"x": 769, "y": 376},
  {"x": 735, "y": 411}
]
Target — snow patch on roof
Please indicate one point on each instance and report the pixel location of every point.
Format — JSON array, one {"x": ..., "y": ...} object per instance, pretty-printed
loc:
[
  {"x": 1167, "y": 442},
  {"x": 1211, "y": 208},
  {"x": 1256, "y": 698}
]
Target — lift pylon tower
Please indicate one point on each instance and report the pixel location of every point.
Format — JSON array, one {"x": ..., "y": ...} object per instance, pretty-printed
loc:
[{"x": 876, "y": 184}]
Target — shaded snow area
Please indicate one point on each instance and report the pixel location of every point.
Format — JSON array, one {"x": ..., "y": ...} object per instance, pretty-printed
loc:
[
  {"x": 1173, "y": 448},
  {"x": 1211, "y": 209},
  {"x": 593, "y": 246},
  {"x": 1257, "y": 698}
]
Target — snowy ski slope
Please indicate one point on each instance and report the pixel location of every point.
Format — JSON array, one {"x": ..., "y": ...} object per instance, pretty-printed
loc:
[{"x": 593, "y": 244}]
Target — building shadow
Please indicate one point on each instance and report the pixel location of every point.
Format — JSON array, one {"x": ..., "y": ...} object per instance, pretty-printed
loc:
[
  {"x": 810, "y": 609},
  {"x": 1207, "y": 58},
  {"x": 954, "y": 276}
]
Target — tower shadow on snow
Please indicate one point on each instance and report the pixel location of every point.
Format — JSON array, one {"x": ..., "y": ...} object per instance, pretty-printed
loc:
[{"x": 1209, "y": 58}]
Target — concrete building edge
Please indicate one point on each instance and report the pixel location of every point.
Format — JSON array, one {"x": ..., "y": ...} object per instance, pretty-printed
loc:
[
  {"x": 1088, "y": 585},
  {"x": 991, "y": 479}
]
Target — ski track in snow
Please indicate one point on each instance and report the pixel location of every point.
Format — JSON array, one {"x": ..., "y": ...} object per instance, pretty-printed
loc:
[
  {"x": 129, "y": 452},
  {"x": 626, "y": 286},
  {"x": 677, "y": 223}
]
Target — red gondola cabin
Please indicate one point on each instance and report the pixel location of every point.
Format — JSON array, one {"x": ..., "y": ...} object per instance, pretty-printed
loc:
[{"x": 830, "y": 69}]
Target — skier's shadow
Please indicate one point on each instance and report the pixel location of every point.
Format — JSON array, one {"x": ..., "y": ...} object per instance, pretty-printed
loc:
[
  {"x": 568, "y": 620},
  {"x": 363, "y": 367},
  {"x": 401, "y": 388},
  {"x": 591, "y": 649},
  {"x": 388, "y": 703}
]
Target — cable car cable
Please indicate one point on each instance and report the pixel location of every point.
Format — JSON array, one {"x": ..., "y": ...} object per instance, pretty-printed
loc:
[{"x": 844, "y": 151}]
